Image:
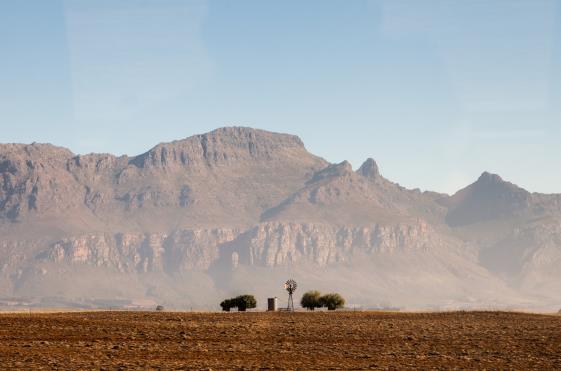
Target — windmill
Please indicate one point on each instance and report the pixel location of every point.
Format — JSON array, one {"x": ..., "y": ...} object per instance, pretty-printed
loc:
[{"x": 290, "y": 286}]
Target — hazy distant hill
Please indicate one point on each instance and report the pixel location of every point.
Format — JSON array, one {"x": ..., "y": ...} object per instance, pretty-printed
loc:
[{"x": 240, "y": 209}]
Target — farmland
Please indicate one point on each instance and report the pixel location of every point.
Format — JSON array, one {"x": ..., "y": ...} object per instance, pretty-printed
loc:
[{"x": 318, "y": 340}]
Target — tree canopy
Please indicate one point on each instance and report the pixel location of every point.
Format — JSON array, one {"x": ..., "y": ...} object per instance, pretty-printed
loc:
[
  {"x": 332, "y": 301},
  {"x": 242, "y": 302},
  {"x": 310, "y": 300},
  {"x": 313, "y": 299}
]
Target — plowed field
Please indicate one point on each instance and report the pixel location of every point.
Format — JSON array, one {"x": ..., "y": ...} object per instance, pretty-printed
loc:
[{"x": 339, "y": 340}]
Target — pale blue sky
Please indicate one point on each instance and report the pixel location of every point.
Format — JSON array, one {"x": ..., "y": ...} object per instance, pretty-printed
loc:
[{"x": 435, "y": 91}]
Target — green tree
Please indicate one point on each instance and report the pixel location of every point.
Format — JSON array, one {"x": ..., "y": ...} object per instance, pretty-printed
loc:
[
  {"x": 332, "y": 301},
  {"x": 310, "y": 300},
  {"x": 226, "y": 305},
  {"x": 242, "y": 302}
]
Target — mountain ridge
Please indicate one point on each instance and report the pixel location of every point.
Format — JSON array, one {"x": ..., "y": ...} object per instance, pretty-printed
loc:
[{"x": 229, "y": 204}]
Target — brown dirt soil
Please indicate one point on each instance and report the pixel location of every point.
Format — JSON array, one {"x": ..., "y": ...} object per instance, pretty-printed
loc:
[{"x": 340, "y": 340}]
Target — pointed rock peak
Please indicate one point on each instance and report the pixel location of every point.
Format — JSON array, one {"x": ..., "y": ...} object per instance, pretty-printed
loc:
[
  {"x": 489, "y": 181},
  {"x": 489, "y": 198},
  {"x": 369, "y": 169},
  {"x": 489, "y": 178},
  {"x": 488, "y": 186}
]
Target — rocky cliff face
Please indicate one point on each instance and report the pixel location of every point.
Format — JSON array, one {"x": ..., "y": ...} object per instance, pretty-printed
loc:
[
  {"x": 222, "y": 147},
  {"x": 34, "y": 178},
  {"x": 274, "y": 244},
  {"x": 141, "y": 253},
  {"x": 267, "y": 244}
]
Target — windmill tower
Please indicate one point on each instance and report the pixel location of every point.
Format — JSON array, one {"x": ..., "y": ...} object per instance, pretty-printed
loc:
[{"x": 290, "y": 286}]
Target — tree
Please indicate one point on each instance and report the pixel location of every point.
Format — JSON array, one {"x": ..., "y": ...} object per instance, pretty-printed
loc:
[
  {"x": 332, "y": 301},
  {"x": 226, "y": 305},
  {"x": 242, "y": 302},
  {"x": 311, "y": 300}
]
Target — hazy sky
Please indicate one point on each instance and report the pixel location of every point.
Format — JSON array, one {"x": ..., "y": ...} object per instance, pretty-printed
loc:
[{"x": 435, "y": 91}]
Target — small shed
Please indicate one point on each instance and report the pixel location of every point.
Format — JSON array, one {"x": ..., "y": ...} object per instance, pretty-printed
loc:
[{"x": 272, "y": 304}]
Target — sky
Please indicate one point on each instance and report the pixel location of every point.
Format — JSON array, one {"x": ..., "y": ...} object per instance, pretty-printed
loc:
[{"x": 435, "y": 91}]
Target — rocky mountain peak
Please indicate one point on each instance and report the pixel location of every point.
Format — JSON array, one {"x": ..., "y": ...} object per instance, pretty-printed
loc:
[
  {"x": 369, "y": 169},
  {"x": 222, "y": 146},
  {"x": 489, "y": 198},
  {"x": 493, "y": 184},
  {"x": 489, "y": 178},
  {"x": 244, "y": 134}
]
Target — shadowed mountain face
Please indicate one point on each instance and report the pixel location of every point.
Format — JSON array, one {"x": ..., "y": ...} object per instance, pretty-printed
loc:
[
  {"x": 487, "y": 199},
  {"x": 240, "y": 209}
]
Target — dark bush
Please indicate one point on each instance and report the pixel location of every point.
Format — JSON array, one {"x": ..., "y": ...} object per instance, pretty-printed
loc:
[
  {"x": 242, "y": 302},
  {"x": 311, "y": 300},
  {"x": 227, "y": 305},
  {"x": 332, "y": 301}
]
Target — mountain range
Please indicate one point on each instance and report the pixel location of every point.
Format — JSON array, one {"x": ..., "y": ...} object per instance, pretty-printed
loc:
[{"x": 241, "y": 210}]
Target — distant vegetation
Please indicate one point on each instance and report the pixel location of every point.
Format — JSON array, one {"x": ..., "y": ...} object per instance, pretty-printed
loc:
[
  {"x": 332, "y": 301},
  {"x": 242, "y": 302},
  {"x": 313, "y": 299}
]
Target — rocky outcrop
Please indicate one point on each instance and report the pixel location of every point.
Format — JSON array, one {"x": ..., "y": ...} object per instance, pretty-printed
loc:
[
  {"x": 33, "y": 177},
  {"x": 281, "y": 244},
  {"x": 267, "y": 244},
  {"x": 221, "y": 147},
  {"x": 15, "y": 254},
  {"x": 158, "y": 252},
  {"x": 369, "y": 169}
]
